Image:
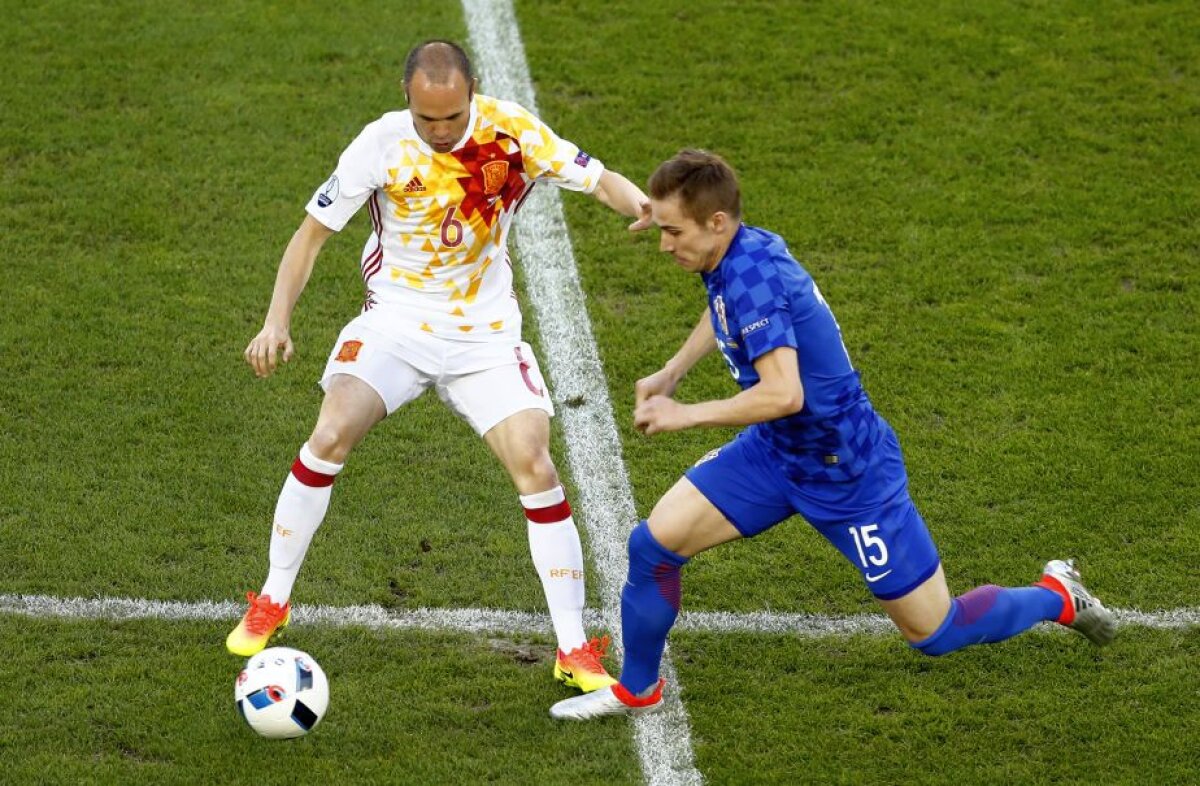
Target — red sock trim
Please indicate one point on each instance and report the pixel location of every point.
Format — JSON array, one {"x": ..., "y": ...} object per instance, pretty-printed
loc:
[
  {"x": 550, "y": 515},
  {"x": 629, "y": 700},
  {"x": 309, "y": 477},
  {"x": 1053, "y": 584}
]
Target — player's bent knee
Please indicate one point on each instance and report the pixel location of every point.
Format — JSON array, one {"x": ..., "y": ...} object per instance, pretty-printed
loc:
[
  {"x": 542, "y": 469},
  {"x": 647, "y": 553},
  {"x": 535, "y": 470},
  {"x": 330, "y": 443}
]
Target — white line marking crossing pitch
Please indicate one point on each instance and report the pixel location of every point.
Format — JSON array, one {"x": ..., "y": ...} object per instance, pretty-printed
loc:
[
  {"x": 664, "y": 740},
  {"x": 472, "y": 620}
]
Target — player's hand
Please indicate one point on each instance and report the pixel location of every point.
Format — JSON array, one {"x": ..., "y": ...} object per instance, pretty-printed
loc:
[
  {"x": 263, "y": 352},
  {"x": 659, "y": 413},
  {"x": 644, "y": 220},
  {"x": 660, "y": 383}
]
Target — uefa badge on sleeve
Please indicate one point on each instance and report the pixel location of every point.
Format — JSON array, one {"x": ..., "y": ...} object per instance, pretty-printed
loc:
[{"x": 328, "y": 192}]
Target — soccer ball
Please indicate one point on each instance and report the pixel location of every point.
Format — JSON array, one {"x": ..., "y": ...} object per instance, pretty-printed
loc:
[{"x": 281, "y": 693}]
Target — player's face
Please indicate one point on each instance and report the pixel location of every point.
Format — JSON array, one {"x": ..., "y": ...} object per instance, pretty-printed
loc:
[
  {"x": 697, "y": 248},
  {"x": 440, "y": 112}
]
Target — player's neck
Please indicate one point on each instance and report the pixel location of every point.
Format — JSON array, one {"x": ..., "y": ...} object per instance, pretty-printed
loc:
[{"x": 719, "y": 252}]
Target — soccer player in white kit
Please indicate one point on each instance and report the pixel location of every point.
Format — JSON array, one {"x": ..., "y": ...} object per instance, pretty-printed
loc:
[{"x": 442, "y": 181}]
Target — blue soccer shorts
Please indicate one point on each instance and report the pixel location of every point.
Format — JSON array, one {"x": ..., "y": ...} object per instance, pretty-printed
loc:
[{"x": 871, "y": 520}]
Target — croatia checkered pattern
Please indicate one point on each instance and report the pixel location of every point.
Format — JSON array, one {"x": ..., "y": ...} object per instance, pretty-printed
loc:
[{"x": 761, "y": 299}]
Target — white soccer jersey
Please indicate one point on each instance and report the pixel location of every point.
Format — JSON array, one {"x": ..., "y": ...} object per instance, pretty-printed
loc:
[{"x": 436, "y": 259}]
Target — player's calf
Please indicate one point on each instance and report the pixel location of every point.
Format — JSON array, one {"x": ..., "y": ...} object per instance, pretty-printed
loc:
[
  {"x": 649, "y": 605},
  {"x": 989, "y": 614}
]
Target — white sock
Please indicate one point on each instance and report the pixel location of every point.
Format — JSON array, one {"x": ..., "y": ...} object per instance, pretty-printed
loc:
[
  {"x": 558, "y": 558},
  {"x": 300, "y": 510}
]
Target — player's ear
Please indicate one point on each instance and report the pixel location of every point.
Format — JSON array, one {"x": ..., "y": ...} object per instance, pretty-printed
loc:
[
  {"x": 719, "y": 222},
  {"x": 471, "y": 88}
]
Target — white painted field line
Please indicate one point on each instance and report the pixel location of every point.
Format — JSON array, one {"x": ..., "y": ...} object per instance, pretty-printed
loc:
[
  {"x": 664, "y": 740},
  {"x": 369, "y": 616},
  {"x": 823, "y": 625},
  {"x": 471, "y": 620}
]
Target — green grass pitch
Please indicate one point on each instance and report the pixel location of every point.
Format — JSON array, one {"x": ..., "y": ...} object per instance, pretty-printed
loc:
[{"x": 999, "y": 201}]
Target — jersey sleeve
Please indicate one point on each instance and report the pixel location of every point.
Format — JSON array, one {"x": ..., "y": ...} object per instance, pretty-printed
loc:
[
  {"x": 763, "y": 311},
  {"x": 549, "y": 158},
  {"x": 356, "y": 177}
]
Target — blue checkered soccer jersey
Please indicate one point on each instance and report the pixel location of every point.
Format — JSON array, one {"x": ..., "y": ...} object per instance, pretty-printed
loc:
[
  {"x": 836, "y": 462},
  {"x": 761, "y": 299}
]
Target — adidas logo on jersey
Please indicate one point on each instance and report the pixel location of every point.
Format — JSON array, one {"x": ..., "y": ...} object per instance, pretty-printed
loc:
[{"x": 414, "y": 185}]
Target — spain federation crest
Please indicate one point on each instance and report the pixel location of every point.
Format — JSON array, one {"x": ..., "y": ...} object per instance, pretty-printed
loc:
[
  {"x": 348, "y": 352},
  {"x": 494, "y": 175}
]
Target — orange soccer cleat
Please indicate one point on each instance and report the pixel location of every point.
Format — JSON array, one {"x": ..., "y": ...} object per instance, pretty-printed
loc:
[
  {"x": 581, "y": 667},
  {"x": 262, "y": 620}
]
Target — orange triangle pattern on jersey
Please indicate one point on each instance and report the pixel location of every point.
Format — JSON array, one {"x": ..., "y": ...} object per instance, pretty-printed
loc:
[{"x": 449, "y": 214}]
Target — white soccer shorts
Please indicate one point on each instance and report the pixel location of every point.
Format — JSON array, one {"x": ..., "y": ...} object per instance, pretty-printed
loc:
[{"x": 483, "y": 383}]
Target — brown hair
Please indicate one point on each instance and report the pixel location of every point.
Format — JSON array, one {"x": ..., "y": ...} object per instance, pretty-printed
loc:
[
  {"x": 439, "y": 59},
  {"x": 704, "y": 182}
]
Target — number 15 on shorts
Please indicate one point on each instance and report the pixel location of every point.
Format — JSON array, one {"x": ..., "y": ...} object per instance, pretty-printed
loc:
[{"x": 872, "y": 551}]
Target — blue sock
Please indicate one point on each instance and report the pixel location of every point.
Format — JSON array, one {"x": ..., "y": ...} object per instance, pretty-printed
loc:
[
  {"x": 989, "y": 614},
  {"x": 649, "y": 606}
]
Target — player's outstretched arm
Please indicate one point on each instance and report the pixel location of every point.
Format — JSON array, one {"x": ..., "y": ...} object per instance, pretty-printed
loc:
[
  {"x": 263, "y": 352},
  {"x": 778, "y": 393},
  {"x": 617, "y": 192}
]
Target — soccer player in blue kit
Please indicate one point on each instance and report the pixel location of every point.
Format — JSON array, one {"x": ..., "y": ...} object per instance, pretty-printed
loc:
[{"x": 813, "y": 445}]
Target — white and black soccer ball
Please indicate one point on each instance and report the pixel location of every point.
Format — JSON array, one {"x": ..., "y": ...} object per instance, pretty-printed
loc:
[{"x": 281, "y": 693}]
